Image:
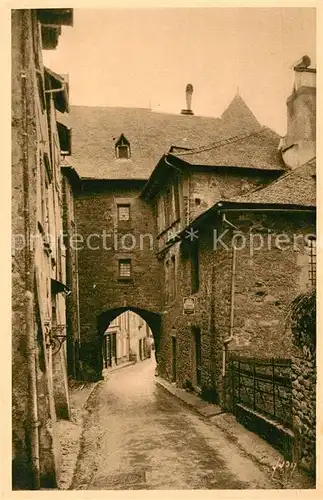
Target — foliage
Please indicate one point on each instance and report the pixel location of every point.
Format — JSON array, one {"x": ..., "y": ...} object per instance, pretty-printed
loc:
[{"x": 302, "y": 319}]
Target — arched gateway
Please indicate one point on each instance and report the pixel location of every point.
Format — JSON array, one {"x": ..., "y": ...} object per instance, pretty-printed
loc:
[{"x": 151, "y": 318}]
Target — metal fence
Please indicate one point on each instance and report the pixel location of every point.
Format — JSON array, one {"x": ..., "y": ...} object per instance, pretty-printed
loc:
[{"x": 263, "y": 386}]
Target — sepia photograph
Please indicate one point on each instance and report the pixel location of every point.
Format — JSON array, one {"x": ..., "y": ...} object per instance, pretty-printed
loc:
[{"x": 163, "y": 242}]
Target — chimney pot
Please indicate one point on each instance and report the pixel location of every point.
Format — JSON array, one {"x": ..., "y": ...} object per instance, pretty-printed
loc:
[{"x": 188, "y": 92}]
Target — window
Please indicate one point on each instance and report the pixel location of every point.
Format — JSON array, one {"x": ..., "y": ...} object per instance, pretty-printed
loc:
[
  {"x": 171, "y": 204},
  {"x": 122, "y": 148},
  {"x": 123, "y": 152},
  {"x": 161, "y": 214},
  {"x": 167, "y": 280},
  {"x": 125, "y": 268},
  {"x": 168, "y": 207},
  {"x": 173, "y": 278},
  {"x": 312, "y": 261},
  {"x": 176, "y": 200},
  {"x": 170, "y": 279},
  {"x": 197, "y": 368},
  {"x": 195, "y": 266},
  {"x": 123, "y": 212}
]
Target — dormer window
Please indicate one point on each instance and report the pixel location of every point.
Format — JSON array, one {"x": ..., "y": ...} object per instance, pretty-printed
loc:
[{"x": 122, "y": 148}]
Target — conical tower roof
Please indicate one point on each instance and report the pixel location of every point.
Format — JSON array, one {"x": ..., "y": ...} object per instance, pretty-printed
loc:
[{"x": 238, "y": 113}]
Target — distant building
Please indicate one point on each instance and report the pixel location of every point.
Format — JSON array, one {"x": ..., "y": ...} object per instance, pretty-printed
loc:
[
  {"x": 116, "y": 342},
  {"x": 140, "y": 337},
  {"x": 127, "y": 338}
]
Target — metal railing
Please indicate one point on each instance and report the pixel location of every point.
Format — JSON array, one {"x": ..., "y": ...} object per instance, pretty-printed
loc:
[{"x": 264, "y": 386}]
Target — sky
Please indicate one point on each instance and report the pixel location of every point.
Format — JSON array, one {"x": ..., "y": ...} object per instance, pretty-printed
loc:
[{"x": 145, "y": 58}]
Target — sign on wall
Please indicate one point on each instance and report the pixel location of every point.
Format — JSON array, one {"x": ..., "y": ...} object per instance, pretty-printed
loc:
[{"x": 188, "y": 305}]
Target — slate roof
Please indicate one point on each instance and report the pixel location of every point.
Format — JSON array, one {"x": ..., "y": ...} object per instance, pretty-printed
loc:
[
  {"x": 255, "y": 150},
  {"x": 297, "y": 187},
  {"x": 151, "y": 134}
]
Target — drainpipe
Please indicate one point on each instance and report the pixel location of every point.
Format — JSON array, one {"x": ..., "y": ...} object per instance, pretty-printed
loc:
[
  {"x": 128, "y": 332},
  {"x": 229, "y": 339},
  {"x": 29, "y": 264},
  {"x": 33, "y": 403}
]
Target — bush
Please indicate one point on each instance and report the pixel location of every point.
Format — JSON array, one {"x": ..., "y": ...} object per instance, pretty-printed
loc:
[{"x": 302, "y": 319}]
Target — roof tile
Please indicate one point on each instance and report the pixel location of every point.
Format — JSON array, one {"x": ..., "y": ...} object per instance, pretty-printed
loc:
[
  {"x": 259, "y": 149},
  {"x": 151, "y": 134},
  {"x": 297, "y": 187}
]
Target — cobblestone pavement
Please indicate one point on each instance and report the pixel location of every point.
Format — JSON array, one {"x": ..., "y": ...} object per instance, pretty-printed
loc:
[{"x": 137, "y": 436}]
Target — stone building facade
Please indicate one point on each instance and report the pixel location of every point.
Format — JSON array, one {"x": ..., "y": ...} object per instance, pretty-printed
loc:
[
  {"x": 148, "y": 226},
  {"x": 117, "y": 263},
  {"x": 70, "y": 183},
  {"x": 239, "y": 296},
  {"x": 114, "y": 153},
  {"x": 124, "y": 228},
  {"x": 238, "y": 264},
  {"x": 39, "y": 375}
]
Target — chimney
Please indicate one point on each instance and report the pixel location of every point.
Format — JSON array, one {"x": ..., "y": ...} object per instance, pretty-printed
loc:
[
  {"x": 189, "y": 92},
  {"x": 299, "y": 144}
]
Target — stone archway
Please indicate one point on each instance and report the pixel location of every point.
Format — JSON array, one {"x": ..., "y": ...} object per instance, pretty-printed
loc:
[{"x": 151, "y": 318}]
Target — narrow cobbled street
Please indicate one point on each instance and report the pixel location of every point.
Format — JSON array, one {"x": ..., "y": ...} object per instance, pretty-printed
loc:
[{"x": 136, "y": 436}]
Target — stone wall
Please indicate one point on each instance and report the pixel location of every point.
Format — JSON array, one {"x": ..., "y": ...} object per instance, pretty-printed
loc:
[
  {"x": 304, "y": 409},
  {"x": 210, "y": 316},
  {"x": 209, "y": 187},
  {"x": 267, "y": 279},
  {"x": 72, "y": 303}
]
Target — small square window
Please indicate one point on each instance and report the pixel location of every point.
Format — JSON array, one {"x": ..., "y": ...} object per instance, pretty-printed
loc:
[
  {"x": 125, "y": 268},
  {"x": 123, "y": 212}
]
